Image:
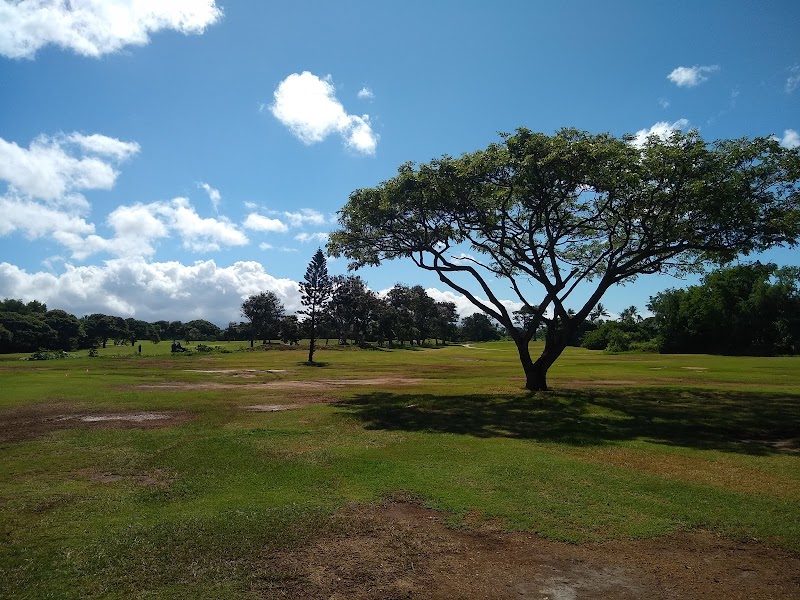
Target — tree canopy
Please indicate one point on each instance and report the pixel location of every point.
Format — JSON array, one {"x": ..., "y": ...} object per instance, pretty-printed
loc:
[{"x": 546, "y": 214}]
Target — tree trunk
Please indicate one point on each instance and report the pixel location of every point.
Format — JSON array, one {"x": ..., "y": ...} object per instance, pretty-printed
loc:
[
  {"x": 536, "y": 372},
  {"x": 313, "y": 339}
]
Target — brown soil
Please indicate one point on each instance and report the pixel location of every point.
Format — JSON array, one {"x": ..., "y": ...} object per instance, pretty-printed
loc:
[
  {"x": 270, "y": 407},
  {"x": 34, "y": 421},
  {"x": 284, "y": 384},
  {"x": 404, "y": 551}
]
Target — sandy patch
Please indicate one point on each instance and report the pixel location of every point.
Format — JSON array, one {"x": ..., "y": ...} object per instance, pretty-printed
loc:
[
  {"x": 270, "y": 407},
  {"x": 695, "y": 368},
  {"x": 236, "y": 370},
  {"x": 134, "y": 417},
  {"x": 405, "y": 551}
]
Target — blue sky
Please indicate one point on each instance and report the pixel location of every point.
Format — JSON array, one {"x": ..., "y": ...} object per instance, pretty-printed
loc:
[{"x": 167, "y": 161}]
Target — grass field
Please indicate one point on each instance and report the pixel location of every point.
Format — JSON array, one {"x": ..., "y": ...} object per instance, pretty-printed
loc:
[{"x": 148, "y": 476}]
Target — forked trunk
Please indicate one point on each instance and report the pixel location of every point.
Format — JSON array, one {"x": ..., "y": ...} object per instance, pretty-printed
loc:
[{"x": 536, "y": 372}]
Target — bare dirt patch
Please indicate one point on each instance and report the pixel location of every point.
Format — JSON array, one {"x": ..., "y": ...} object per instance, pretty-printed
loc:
[
  {"x": 285, "y": 384},
  {"x": 34, "y": 421},
  {"x": 270, "y": 407},
  {"x": 695, "y": 368},
  {"x": 404, "y": 551}
]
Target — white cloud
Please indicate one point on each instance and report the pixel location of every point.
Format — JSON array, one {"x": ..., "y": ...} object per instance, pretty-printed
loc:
[
  {"x": 258, "y": 222},
  {"x": 793, "y": 80},
  {"x": 134, "y": 287},
  {"x": 213, "y": 195},
  {"x": 663, "y": 103},
  {"x": 662, "y": 129},
  {"x": 790, "y": 139},
  {"x": 365, "y": 93},
  {"x": 51, "y": 170},
  {"x": 199, "y": 234},
  {"x": 96, "y": 27},
  {"x": 308, "y": 106},
  {"x": 250, "y": 205},
  {"x": 691, "y": 76},
  {"x": 303, "y": 216},
  {"x": 137, "y": 226},
  {"x": 312, "y": 237},
  {"x": 35, "y": 220},
  {"x": 264, "y": 246}
]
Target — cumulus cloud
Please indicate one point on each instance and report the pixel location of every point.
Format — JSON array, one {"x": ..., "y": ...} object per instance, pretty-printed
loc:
[
  {"x": 35, "y": 220},
  {"x": 308, "y": 106},
  {"x": 52, "y": 168},
  {"x": 691, "y": 76},
  {"x": 790, "y": 139},
  {"x": 96, "y": 27},
  {"x": 258, "y": 222},
  {"x": 793, "y": 80},
  {"x": 213, "y": 195},
  {"x": 136, "y": 227},
  {"x": 365, "y": 93},
  {"x": 464, "y": 307},
  {"x": 134, "y": 287},
  {"x": 312, "y": 237},
  {"x": 662, "y": 129},
  {"x": 305, "y": 216}
]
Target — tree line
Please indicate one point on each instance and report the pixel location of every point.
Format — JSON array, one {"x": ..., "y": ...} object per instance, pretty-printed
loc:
[
  {"x": 749, "y": 309},
  {"x": 352, "y": 314}
]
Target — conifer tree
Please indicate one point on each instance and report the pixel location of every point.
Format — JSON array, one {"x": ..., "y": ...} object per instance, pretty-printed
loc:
[{"x": 315, "y": 290}]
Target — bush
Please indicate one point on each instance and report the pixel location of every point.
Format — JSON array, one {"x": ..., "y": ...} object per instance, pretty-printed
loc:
[
  {"x": 42, "y": 354},
  {"x": 650, "y": 346},
  {"x": 618, "y": 341}
]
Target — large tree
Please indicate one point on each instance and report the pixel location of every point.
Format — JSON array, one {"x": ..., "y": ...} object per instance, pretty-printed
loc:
[
  {"x": 315, "y": 291},
  {"x": 264, "y": 311},
  {"x": 571, "y": 215}
]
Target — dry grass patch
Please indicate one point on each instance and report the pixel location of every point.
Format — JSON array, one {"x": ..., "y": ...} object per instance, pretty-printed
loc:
[{"x": 402, "y": 550}]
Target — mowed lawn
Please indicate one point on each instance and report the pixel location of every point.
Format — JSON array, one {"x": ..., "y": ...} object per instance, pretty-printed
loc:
[{"x": 154, "y": 476}]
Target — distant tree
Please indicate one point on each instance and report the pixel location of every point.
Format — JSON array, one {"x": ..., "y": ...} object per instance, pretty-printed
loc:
[
  {"x": 527, "y": 318},
  {"x": 351, "y": 307},
  {"x": 423, "y": 313},
  {"x": 27, "y": 332},
  {"x": 445, "y": 320},
  {"x": 207, "y": 330},
  {"x": 742, "y": 309},
  {"x": 264, "y": 311},
  {"x": 479, "y": 328},
  {"x": 290, "y": 329},
  {"x": 99, "y": 328},
  {"x": 315, "y": 292},
  {"x": 19, "y": 306},
  {"x": 574, "y": 213},
  {"x": 399, "y": 299},
  {"x": 598, "y": 312},
  {"x": 67, "y": 328}
]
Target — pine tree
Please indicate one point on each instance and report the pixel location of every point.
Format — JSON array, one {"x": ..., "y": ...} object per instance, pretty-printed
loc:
[{"x": 315, "y": 290}]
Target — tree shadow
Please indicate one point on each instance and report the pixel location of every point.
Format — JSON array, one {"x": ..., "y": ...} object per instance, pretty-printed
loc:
[{"x": 733, "y": 421}]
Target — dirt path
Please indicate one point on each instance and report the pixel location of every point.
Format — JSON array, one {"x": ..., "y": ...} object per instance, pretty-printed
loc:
[
  {"x": 404, "y": 551},
  {"x": 285, "y": 384}
]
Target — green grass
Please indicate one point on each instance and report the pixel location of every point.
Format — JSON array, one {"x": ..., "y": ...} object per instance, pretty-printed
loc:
[{"x": 677, "y": 442}]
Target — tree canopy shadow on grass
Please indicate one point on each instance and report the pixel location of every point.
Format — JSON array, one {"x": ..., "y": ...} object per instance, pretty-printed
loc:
[{"x": 733, "y": 421}]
